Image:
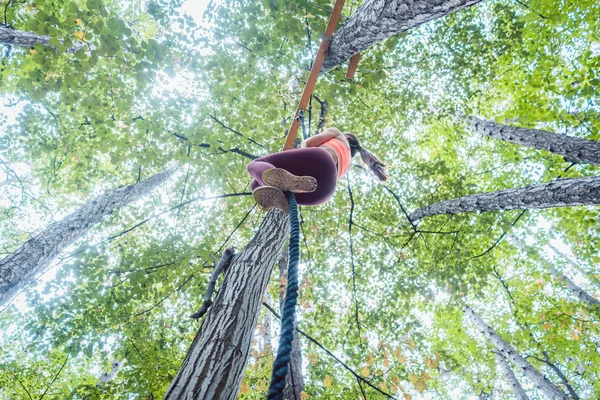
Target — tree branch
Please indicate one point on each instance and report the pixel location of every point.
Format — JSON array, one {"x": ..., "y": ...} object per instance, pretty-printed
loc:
[{"x": 220, "y": 267}]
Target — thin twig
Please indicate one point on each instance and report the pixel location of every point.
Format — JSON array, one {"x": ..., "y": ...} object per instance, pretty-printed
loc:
[{"x": 55, "y": 377}]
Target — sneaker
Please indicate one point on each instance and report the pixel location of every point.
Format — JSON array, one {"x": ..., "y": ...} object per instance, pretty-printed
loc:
[
  {"x": 270, "y": 197},
  {"x": 286, "y": 181}
]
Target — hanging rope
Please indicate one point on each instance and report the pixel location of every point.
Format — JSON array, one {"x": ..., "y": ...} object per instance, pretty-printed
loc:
[{"x": 288, "y": 317}]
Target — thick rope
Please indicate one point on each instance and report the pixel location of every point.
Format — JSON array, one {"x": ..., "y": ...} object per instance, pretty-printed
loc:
[{"x": 288, "y": 317}]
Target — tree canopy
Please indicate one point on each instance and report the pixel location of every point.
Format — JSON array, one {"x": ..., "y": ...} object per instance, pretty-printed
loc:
[{"x": 384, "y": 295}]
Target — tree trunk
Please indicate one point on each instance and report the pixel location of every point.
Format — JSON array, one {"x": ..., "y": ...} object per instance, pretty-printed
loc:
[
  {"x": 520, "y": 393},
  {"x": 557, "y": 193},
  {"x": 294, "y": 381},
  {"x": 215, "y": 362},
  {"x": 578, "y": 292},
  {"x": 107, "y": 376},
  {"x": 13, "y": 37},
  {"x": 35, "y": 255},
  {"x": 572, "y": 148},
  {"x": 377, "y": 20},
  {"x": 509, "y": 353}
]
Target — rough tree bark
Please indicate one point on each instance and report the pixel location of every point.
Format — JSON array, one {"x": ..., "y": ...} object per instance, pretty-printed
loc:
[
  {"x": 294, "y": 380},
  {"x": 13, "y": 37},
  {"x": 509, "y": 353},
  {"x": 35, "y": 255},
  {"x": 574, "y": 149},
  {"x": 557, "y": 193},
  {"x": 215, "y": 362},
  {"x": 377, "y": 20},
  {"x": 520, "y": 393},
  {"x": 577, "y": 291}
]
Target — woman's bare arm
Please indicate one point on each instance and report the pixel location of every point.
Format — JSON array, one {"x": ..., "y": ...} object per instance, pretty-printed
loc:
[{"x": 317, "y": 140}]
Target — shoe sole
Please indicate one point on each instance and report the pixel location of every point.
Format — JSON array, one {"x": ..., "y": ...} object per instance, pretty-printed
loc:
[
  {"x": 270, "y": 197},
  {"x": 286, "y": 181}
]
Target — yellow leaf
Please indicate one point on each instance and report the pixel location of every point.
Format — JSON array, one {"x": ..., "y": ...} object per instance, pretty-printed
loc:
[
  {"x": 370, "y": 359},
  {"x": 385, "y": 362},
  {"x": 383, "y": 386},
  {"x": 303, "y": 396},
  {"x": 437, "y": 356},
  {"x": 80, "y": 35},
  {"x": 401, "y": 359},
  {"x": 32, "y": 51},
  {"x": 78, "y": 21},
  {"x": 393, "y": 389},
  {"x": 313, "y": 358},
  {"x": 407, "y": 396},
  {"x": 245, "y": 388},
  {"x": 48, "y": 75},
  {"x": 420, "y": 386},
  {"x": 413, "y": 378},
  {"x": 435, "y": 364},
  {"x": 397, "y": 352},
  {"x": 428, "y": 361},
  {"x": 364, "y": 371},
  {"x": 327, "y": 381},
  {"x": 412, "y": 344},
  {"x": 425, "y": 376},
  {"x": 575, "y": 335}
]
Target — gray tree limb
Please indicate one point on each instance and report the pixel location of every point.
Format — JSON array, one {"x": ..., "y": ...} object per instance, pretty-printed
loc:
[
  {"x": 557, "y": 193},
  {"x": 377, "y": 20},
  {"x": 35, "y": 255},
  {"x": 13, "y": 37},
  {"x": 577, "y": 291},
  {"x": 574, "y": 149},
  {"x": 511, "y": 378},
  {"x": 509, "y": 353},
  {"x": 216, "y": 360}
]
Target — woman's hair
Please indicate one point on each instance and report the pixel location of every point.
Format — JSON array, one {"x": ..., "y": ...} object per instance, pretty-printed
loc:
[{"x": 375, "y": 165}]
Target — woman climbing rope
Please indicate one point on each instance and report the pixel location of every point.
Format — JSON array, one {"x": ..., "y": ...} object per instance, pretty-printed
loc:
[{"x": 311, "y": 172}]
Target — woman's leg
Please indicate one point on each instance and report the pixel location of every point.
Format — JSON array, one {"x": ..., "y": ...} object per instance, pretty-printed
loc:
[
  {"x": 311, "y": 161},
  {"x": 256, "y": 169}
]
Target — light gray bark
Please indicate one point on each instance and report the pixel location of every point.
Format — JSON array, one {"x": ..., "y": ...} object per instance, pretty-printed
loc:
[
  {"x": 572, "y": 148},
  {"x": 577, "y": 291},
  {"x": 520, "y": 393},
  {"x": 557, "y": 193},
  {"x": 377, "y": 20},
  {"x": 294, "y": 380},
  {"x": 509, "y": 353},
  {"x": 13, "y": 37},
  {"x": 215, "y": 362},
  {"x": 35, "y": 255},
  {"x": 107, "y": 376}
]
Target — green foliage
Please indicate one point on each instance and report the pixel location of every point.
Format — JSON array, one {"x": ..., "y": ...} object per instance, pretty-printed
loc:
[{"x": 154, "y": 87}]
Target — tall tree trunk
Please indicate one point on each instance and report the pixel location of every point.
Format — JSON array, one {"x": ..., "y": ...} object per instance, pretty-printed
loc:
[
  {"x": 520, "y": 393},
  {"x": 377, "y": 20},
  {"x": 13, "y": 37},
  {"x": 215, "y": 362},
  {"x": 35, "y": 255},
  {"x": 557, "y": 193},
  {"x": 294, "y": 381},
  {"x": 577, "y": 291},
  {"x": 572, "y": 148},
  {"x": 509, "y": 353}
]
